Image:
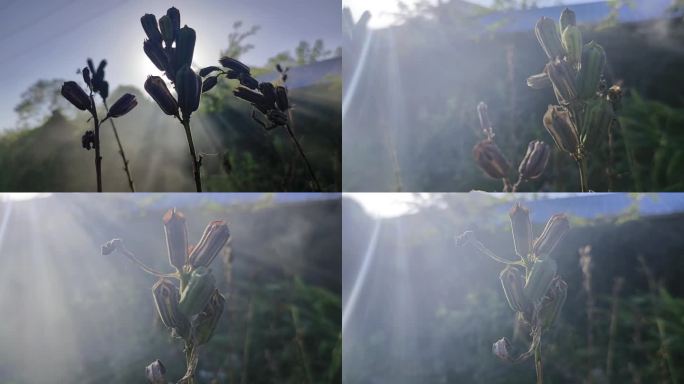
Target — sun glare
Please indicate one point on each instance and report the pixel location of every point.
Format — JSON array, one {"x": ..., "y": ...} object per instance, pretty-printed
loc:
[
  {"x": 22, "y": 196},
  {"x": 385, "y": 205}
]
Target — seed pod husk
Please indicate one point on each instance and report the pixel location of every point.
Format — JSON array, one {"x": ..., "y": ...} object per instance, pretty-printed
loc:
[
  {"x": 598, "y": 116},
  {"x": 248, "y": 81},
  {"x": 556, "y": 228},
  {"x": 149, "y": 24},
  {"x": 249, "y": 95},
  {"x": 502, "y": 349},
  {"x": 234, "y": 65},
  {"x": 214, "y": 238},
  {"x": 167, "y": 300},
  {"x": 513, "y": 281},
  {"x": 282, "y": 101},
  {"x": 562, "y": 79},
  {"x": 207, "y": 70},
  {"x": 156, "y": 373},
  {"x": 489, "y": 158},
  {"x": 558, "y": 122},
  {"x": 91, "y": 65},
  {"x": 522, "y": 229},
  {"x": 268, "y": 90},
  {"x": 174, "y": 14},
  {"x": 209, "y": 83},
  {"x": 539, "y": 280},
  {"x": 189, "y": 89},
  {"x": 206, "y": 321},
  {"x": 567, "y": 18},
  {"x": 553, "y": 302},
  {"x": 156, "y": 87},
  {"x": 122, "y": 106},
  {"x": 156, "y": 54},
  {"x": 539, "y": 81},
  {"x": 549, "y": 38},
  {"x": 167, "y": 31},
  {"x": 76, "y": 95},
  {"x": 103, "y": 89},
  {"x": 533, "y": 164},
  {"x": 86, "y": 77},
  {"x": 572, "y": 42},
  {"x": 176, "y": 238},
  {"x": 197, "y": 292},
  {"x": 593, "y": 60},
  {"x": 185, "y": 47}
]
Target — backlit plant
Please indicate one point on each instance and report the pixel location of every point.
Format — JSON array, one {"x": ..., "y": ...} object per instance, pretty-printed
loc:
[
  {"x": 586, "y": 108},
  {"x": 85, "y": 102},
  {"x": 531, "y": 286},
  {"x": 192, "y": 309},
  {"x": 491, "y": 160}
]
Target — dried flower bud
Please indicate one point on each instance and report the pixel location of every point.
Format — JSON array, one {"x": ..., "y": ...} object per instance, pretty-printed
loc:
[
  {"x": 156, "y": 54},
  {"x": 539, "y": 280},
  {"x": 249, "y": 95},
  {"x": 553, "y": 302},
  {"x": 549, "y": 38},
  {"x": 248, "y": 81},
  {"x": 513, "y": 281},
  {"x": 207, "y": 70},
  {"x": 572, "y": 42},
  {"x": 598, "y": 115},
  {"x": 533, "y": 164},
  {"x": 204, "y": 325},
  {"x": 76, "y": 95},
  {"x": 539, "y": 81},
  {"x": 156, "y": 373},
  {"x": 282, "y": 101},
  {"x": 562, "y": 79},
  {"x": 209, "y": 83},
  {"x": 593, "y": 60},
  {"x": 522, "y": 229},
  {"x": 197, "y": 292},
  {"x": 149, "y": 24},
  {"x": 176, "y": 238},
  {"x": 567, "y": 18},
  {"x": 174, "y": 14},
  {"x": 502, "y": 349},
  {"x": 167, "y": 300},
  {"x": 214, "y": 238},
  {"x": 88, "y": 140},
  {"x": 614, "y": 96},
  {"x": 189, "y": 89},
  {"x": 156, "y": 87},
  {"x": 86, "y": 77},
  {"x": 558, "y": 122},
  {"x": 185, "y": 47},
  {"x": 122, "y": 106},
  {"x": 556, "y": 228},
  {"x": 234, "y": 65},
  {"x": 490, "y": 159},
  {"x": 167, "y": 31}
]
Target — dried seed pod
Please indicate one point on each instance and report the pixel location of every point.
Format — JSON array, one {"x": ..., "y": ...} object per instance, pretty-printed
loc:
[
  {"x": 248, "y": 81},
  {"x": 149, "y": 24},
  {"x": 567, "y": 18},
  {"x": 209, "y": 83},
  {"x": 539, "y": 280},
  {"x": 562, "y": 79},
  {"x": 276, "y": 117},
  {"x": 597, "y": 117},
  {"x": 76, "y": 95},
  {"x": 522, "y": 229},
  {"x": 572, "y": 42},
  {"x": 167, "y": 300},
  {"x": 553, "y": 302},
  {"x": 489, "y": 158},
  {"x": 234, "y": 65},
  {"x": 549, "y": 38},
  {"x": 103, "y": 89},
  {"x": 502, "y": 349},
  {"x": 91, "y": 65},
  {"x": 207, "y": 70},
  {"x": 156, "y": 87},
  {"x": 176, "y": 238},
  {"x": 174, "y": 14},
  {"x": 533, "y": 164},
  {"x": 156, "y": 373},
  {"x": 156, "y": 54},
  {"x": 560, "y": 125},
  {"x": 185, "y": 47},
  {"x": 593, "y": 60},
  {"x": 539, "y": 81},
  {"x": 122, "y": 106},
  {"x": 167, "y": 31},
  {"x": 249, "y": 95},
  {"x": 214, "y": 238},
  {"x": 189, "y": 89},
  {"x": 556, "y": 228},
  {"x": 513, "y": 281},
  {"x": 268, "y": 90},
  {"x": 204, "y": 325},
  {"x": 86, "y": 77},
  {"x": 282, "y": 101},
  {"x": 197, "y": 292}
]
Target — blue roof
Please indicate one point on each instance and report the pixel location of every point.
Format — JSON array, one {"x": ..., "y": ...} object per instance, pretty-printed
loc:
[
  {"x": 308, "y": 75},
  {"x": 588, "y": 13}
]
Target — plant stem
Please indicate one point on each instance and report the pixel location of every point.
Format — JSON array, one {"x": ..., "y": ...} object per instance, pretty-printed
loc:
[
  {"x": 121, "y": 150},
  {"x": 538, "y": 364},
  {"x": 195, "y": 161},
  {"x": 582, "y": 165},
  {"x": 301, "y": 153},
  {"x": 98, "y": 158}
]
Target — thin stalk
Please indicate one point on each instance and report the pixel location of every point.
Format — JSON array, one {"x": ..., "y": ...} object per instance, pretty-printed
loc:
[
  {"x": 195, "y": 161},
  {"x": 247, "y": 342},
  {"x": 612, "y": 328},
  {"x": 121, "y": 150},
  {"x": 98, "y": 157},
  {"x": 480, "y": 247},
  {"x": 538, "y": 364},
  {"x": 301, "y": 153},
  {"x": 142, "y": 265},
  {"x": 300, "y": 345},
  {"x": 582, "y": 165}
]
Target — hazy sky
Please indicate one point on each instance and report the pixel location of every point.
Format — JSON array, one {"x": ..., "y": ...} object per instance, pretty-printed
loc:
[{"x": 52, "y": 39}]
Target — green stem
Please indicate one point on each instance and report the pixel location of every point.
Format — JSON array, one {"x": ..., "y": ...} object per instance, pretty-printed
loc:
[
  {"x": 121, "y": 150},
  {"x": 195, "y": 162},
  {"x": 582, "y": 165},
  {"x": 301, "y": 153},
  {"x": 538, "y": 364}
]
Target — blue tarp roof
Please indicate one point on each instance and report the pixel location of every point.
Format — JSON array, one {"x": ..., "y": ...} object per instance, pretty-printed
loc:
[
  {"x": 308, "y": 75},
  {"x": 588, "y": 13}
]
